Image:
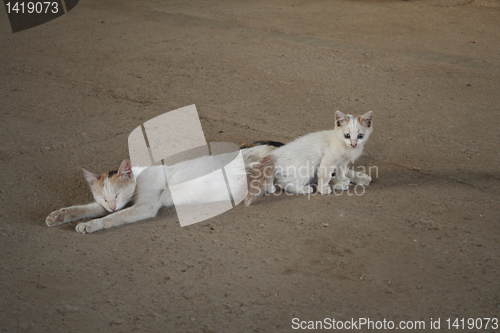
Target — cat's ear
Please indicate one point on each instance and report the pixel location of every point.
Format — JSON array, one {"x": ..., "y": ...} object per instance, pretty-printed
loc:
[
  {"x": 340, "y": 118},
  {"x": 125, "y": 169},
  {"x": 366, "y": 119},
  {"x": 90, "y": 177}
]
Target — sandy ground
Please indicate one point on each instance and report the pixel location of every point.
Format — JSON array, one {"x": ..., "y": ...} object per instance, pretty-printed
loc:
[{"x": 422, "y": 242}]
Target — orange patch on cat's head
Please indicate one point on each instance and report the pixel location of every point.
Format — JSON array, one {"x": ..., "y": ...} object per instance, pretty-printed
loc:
[
  {"x": 120, "y": 177},
  {"x": 341, "y": 119},
  {"x": 117, "y": 178},
  {"x": 100, "y": 181}
]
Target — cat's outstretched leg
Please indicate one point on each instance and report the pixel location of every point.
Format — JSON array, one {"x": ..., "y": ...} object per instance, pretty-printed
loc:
[
  {"x": 140, "y": 211},
  {"x": 75, "y": 213},
  {"x": 359, "y": 178},
  {"x": 125, "y": 216}
]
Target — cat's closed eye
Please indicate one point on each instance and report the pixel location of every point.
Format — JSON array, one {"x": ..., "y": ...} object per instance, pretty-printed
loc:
[
  {"x": 360, "y": 136},
  {"x": 347, "y": 136}
]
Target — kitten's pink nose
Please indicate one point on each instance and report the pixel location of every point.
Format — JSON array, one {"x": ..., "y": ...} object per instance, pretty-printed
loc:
[
  {"x": 354, "y": 144},
  {"x": 112, "y": 206}
]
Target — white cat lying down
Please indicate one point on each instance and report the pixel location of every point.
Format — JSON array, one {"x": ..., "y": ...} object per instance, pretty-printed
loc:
[{"x": 145, "y": 188}]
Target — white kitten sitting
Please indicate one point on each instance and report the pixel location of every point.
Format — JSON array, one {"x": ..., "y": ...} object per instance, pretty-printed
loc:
[{"x": 317, "y": 155}]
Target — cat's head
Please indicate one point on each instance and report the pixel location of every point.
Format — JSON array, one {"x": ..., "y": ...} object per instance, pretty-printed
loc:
[
  {"x": 353, "y": 130},
  {"x": 114, "y": 189}
]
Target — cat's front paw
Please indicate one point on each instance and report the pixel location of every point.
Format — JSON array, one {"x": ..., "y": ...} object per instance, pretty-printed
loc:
[
  {"x": 362, "y": 179},
  {"x": 341, "y": 184},
  {"x": 88, "y": 227},
  {"x": 325, "y": 189},
  {"x": 56, "y": 218}
]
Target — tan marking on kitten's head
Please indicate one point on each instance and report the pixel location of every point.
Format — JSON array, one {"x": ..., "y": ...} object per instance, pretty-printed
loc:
[
  {"x": 340, "y": 119},
  {"x": 114, "y": 189}
]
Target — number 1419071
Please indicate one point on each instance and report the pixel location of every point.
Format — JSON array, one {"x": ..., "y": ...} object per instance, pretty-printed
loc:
[{"x": 32, "y": 7}]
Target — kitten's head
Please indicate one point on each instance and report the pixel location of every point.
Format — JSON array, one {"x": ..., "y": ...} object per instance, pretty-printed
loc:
[
  {"x": 114, "y": 189},
  {"x": 353, "y": 130}
]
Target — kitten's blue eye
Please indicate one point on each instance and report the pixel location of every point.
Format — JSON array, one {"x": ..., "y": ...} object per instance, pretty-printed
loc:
[
  {"x": 360, "y": 136},
  {"x": 347, "y": 136}
]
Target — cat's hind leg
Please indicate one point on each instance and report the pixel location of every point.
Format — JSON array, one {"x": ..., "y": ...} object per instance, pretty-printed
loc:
[
  {"x": 269, "y": 186},
  {"x": 359, "y": 178},
  {"x": 75, "y": 213}
]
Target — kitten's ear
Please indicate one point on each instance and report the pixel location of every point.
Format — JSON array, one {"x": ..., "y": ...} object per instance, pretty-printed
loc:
[
  {"x": 125, "y": 169},
  {"x": 366, "y": 119},
  {"x": 90, "y": 177},
  {"x": 339, "y": 118}
]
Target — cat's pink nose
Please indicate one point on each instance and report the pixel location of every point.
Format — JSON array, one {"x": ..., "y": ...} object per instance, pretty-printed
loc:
[
  {"x": 112, "y": 207},
  {"x": 353, "y": 145}
]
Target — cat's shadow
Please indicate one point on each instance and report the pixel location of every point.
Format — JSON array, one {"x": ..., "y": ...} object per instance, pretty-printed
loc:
[
  {"x": 479, "y": 180},
  {"x": 403, "y": 178}
]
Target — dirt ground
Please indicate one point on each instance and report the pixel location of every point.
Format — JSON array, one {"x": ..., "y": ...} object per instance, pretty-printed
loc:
[{"x": 420, "y": 244}]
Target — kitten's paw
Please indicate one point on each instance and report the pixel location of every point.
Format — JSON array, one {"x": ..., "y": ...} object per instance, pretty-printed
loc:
[
  {"x": 341, "y": 184},
  {"x": 362, "y": 179},
  {"x": 88, "y": 227},
  {"x": 325, "y": 189},
  {"x": 56, "y": 218},
  {"x": 340, "y": 187}
]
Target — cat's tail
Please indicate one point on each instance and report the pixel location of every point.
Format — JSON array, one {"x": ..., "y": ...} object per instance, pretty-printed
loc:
[
  {"x": 262, "y": 176},
  {"x": 275, "y": 144}
]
